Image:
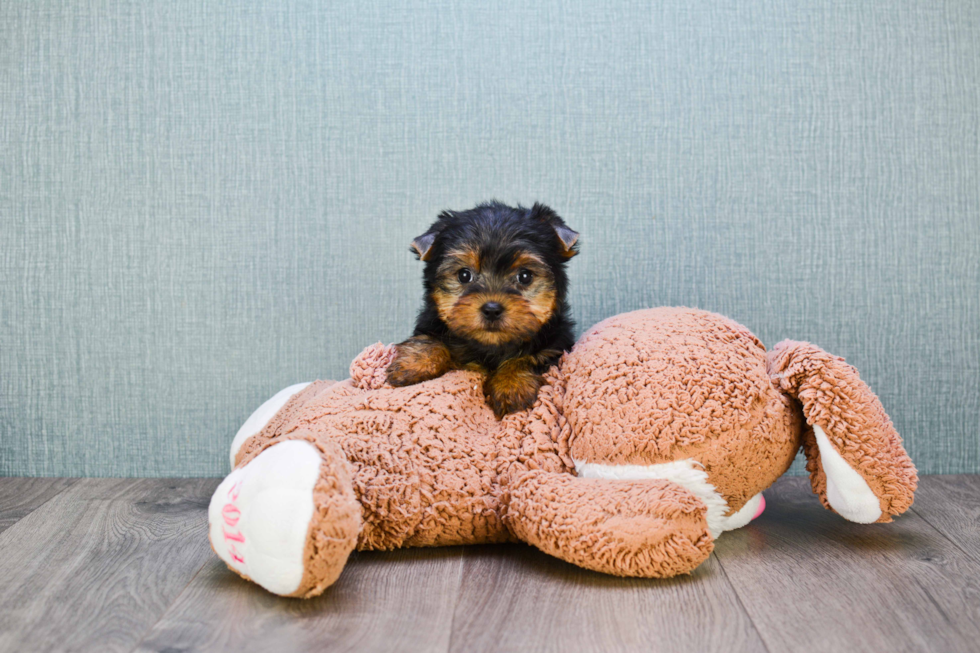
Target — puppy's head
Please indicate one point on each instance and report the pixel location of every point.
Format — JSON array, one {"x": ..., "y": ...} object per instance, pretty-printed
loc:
[{"x": 496, "y": 274}]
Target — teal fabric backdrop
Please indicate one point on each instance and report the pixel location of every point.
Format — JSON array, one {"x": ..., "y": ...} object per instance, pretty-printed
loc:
[{"x": 204, "y": 202}]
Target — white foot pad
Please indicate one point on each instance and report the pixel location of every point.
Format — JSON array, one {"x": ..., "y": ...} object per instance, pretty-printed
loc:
[
  {"x": 260, "y": 515},
  {"x": 257, "y": 420},
  {"x": 752, "y": 509},
  {"x": 847, "y": 492},
  {"x": 687, "y": 472}
]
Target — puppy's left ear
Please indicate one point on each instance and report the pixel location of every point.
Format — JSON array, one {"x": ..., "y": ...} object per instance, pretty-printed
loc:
[{"x": 567, "y": 237}]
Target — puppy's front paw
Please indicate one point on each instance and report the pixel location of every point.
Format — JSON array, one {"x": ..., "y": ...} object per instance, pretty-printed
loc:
[
  {"x": 401, "y": 372},
  {"x": 511, "y": 388},
  {"x": 418, "y": 359}
]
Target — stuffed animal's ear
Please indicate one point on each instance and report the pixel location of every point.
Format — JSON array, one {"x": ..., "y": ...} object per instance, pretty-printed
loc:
[{"x": 567, "y": 237}]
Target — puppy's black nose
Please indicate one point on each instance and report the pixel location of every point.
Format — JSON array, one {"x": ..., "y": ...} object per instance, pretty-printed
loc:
[{"x": 492, "y": 310}]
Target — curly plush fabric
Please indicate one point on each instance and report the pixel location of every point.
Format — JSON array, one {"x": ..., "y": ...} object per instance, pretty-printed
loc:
[
  {"x": 335, "y": 524},
  {"x": 649, "y": 528},
  {"x": 835, "y": 398},
  {"x": 679, "y": 416},
  {"x": 669, "y": 384},
  {"x": 421, "y": 457}
]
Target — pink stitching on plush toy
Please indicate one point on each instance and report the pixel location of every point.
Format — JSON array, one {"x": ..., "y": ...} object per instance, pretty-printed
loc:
[
  {"x": 234, "y": 537},
  {"x": 234, "y": 555},
  {"x": 234, "y": 490},
  {"x": 231, "y": 514}
]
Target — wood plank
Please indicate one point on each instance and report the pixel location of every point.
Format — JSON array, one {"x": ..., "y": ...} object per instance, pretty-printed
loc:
[
  {"x": 514, "y": 597},
  {"x": 951, "y": 505},
  {"x": 97, "y": 565},
  {"x": 812, "y": 581},
  {"x": 21, "y": 496},
  {"x": 94, "y": 565},
  {"x": 384, "y": 601}
]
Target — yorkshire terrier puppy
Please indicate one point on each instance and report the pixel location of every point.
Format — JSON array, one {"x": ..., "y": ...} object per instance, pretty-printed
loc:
[{"x": 495, "y": 287}]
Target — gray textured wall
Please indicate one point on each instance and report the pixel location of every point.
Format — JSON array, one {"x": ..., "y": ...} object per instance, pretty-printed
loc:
[{"x": 203, "y": 202}]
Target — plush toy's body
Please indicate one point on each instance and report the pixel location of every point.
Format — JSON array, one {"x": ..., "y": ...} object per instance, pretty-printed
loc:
[{"x": 658, "y": 432}]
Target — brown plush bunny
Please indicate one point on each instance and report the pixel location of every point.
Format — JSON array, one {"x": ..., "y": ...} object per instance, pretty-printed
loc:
[{"x": 655, "y": 434}]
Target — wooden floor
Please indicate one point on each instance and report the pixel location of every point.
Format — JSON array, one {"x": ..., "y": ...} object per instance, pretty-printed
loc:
[{"x": 124, "y": 565}]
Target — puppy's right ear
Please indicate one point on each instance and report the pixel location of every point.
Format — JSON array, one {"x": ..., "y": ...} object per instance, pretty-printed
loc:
[{"x": 422, "y": 245}]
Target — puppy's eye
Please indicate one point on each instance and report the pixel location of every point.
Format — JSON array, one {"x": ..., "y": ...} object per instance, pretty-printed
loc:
[
  {"x": 524, "y": 277},
  {"x": 464, "y": 276}
]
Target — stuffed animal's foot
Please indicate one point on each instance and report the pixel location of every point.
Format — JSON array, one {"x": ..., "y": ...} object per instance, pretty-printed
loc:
[
  {"x": 689, "y": 475},
  {"x": 747, "y": 513},
  {"x": 855, "y": 457},
  {"x": 651, "y": 528},
  {"x": 288, "y": 519}
]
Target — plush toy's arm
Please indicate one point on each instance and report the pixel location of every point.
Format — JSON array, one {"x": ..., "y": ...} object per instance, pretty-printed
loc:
[
  {"x": 855, "y": 457},
  {"x": 647, "y": 528}
]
